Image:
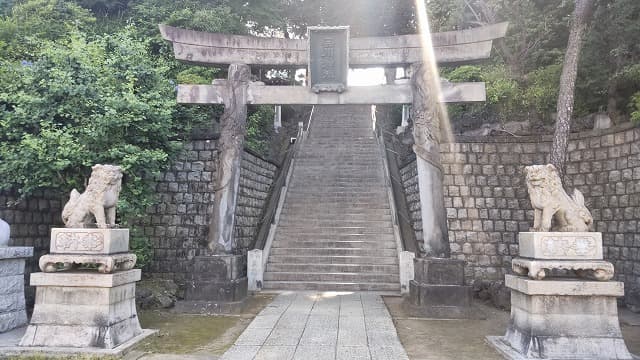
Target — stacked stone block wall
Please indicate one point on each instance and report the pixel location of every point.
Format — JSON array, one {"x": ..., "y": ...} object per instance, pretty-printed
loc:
[
  {"x": 31, "y": 221},
  {"x": 178, "y": 224},
  {"x": 487, "y": 201}
]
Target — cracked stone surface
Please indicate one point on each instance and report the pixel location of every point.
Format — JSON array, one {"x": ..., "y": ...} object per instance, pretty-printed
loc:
[{"x": 320, "y": 325}]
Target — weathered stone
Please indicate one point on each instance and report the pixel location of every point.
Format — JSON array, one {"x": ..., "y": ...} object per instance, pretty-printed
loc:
[
  {"x": 255, "y": 270},
  {"x": 5, "y": 232},
  {"x": 99, "y": 199},
  {"x": 561, "y": 245},
  {"x": 12, "y": 302},
  {"x": 205, "y": 48},
  {"x": 83, "y": 310},
  {"x": 11, "y": 267},
  {"x": 539, "y": 269},
  {"x": 550, "y": 201},
  {"x": 85, "y": 279},
  {"x": 12, "y": 252},
  {"x": 234, "y": 122},
  {"x": 12, "y": 320},
  {"x": 439, "y": 271},
  {"x": 12, "y": 284},
  {"x": 562, "y": 320},
  {"x": 105, "y": 263},
  {"x": 407, "y": 270},
  {"x": 89, "y": 241},
  {"x": 569, "y": 287},
  {"x": 217, "y": 279}
]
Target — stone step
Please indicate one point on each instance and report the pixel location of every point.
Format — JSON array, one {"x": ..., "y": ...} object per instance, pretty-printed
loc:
[
  {"x": 336, "y": 259},
  {"x": 284, "y": 236},
  {"x": 332, "y": 268},
  {"x": 301, "y": 229},
  {"x": 332, "y": 244},
  {"x": 347, "y": 201},
  {"x": 297, "y": 192},
  {"x": 333, "y": 277},
  {"x": 333, "y": 252},
  {"x": 297, "y": 217},
  {"x": 347, "y": 214},
  {"x": 294, "y": 221},
  {"x": 339, "y": 191},
  {"x": 330, "y": 286},
  {"x": 334, "y": 207}
]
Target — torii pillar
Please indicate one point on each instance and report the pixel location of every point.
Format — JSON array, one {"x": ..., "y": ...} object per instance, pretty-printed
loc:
[
  {"x": 218, "y": 281},
  {"x": 438, "y": 289}
]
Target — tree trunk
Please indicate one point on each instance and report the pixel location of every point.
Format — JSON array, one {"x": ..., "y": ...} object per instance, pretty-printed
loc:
[{"x": 581, "y": 16}]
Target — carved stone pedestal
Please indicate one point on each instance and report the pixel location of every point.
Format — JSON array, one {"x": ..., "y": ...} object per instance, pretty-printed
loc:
[
  {"x": 83, "y": 309},
  {"x": 90, "y": 309},
  {"x": 218, "y": 284},
  {"x": 438, "y": 290},
  {"x": 562, "y": 316},
  {"x": 107, "y": 249},
  {"x": 12, "y": 305},
  {"x": 562, "y": 319}
]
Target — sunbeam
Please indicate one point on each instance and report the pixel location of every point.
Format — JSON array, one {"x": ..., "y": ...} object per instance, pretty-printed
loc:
[{"x": 432, "y": 74}]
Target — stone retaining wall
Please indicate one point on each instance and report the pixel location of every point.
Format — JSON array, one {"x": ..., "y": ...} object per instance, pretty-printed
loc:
[
  {"x": 178, "y": 224},
  {"x": 487, "y": 201},
  {"x": 31, "y": 221}
]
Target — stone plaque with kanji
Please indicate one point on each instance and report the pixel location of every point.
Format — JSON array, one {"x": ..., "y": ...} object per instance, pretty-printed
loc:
[{"x": 328, "y": 58}]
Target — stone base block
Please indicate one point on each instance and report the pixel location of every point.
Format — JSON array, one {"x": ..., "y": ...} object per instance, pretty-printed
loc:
[
  {"x": 563, "y": 320},
  {"x": 539, "y": 269},
  {"x": 219, "y": 278},
  {"x": 89, "y": 241},
  {"x": 11, "y": 348},
  {"x": 561, "y": 245},
  {"x": 437, "y": 271},
  {"x": 440, "y": 301},
  {"x": 83, "y": 310},
  {"x": 12, "y": 305}
]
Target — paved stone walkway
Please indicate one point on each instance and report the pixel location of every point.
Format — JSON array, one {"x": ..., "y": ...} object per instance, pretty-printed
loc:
[{"x": 319, "y": 326}]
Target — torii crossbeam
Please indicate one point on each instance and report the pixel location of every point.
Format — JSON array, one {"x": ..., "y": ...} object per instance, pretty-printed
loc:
[{"x": 450, "y": 48}]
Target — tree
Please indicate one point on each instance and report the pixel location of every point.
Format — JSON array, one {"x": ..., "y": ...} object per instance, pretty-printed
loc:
[{"x": 581, "y": 15}]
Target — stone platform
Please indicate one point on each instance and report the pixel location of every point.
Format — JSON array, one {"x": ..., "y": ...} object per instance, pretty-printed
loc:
[
  {"x": 217, "y": 285},
  {"x": 319, "y": 326},
  {"x": 9, "y": 346},
  {"x": 12, "y": 306},
  {"x": 438, "y": 290},
  {"x": 562, "y": 319},
  {"x": 83, "y": 309}
]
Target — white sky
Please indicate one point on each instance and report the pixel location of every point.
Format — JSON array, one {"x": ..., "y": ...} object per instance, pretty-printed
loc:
[{"x": 366, "y": 77}]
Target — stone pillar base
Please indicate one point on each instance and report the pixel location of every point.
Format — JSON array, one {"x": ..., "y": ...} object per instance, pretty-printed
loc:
[
  {"x": 438, "y": 290},
  {"x": 562, "y": 319},
  {"x": 83, "y": 310},
  {"x": 12, "y": 306},
  {"x": 218, "y": 284}
]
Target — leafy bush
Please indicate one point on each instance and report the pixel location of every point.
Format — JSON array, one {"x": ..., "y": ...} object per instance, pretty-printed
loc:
[
  {"x": 84, "y": 102},
  {"x": 541, "y": 93},
  {"x": 259, "y": 128},
  {"x": 635, "y": 108}
]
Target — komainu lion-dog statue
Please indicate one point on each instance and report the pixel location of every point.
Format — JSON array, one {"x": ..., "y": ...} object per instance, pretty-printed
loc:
[
  {"x": 554, "y": 209},
  {"x": 99, "y": 199}
]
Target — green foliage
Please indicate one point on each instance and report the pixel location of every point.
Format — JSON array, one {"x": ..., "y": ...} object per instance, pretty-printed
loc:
[
  {"x": 504, "y": 94},
  {"x": 259, "y": 128},
  {"x": 83, "y": 102},
  {"x": 635, "y": 107},
  {"x": 34, "y": 23},
  {"x": 541, "y": 93}
]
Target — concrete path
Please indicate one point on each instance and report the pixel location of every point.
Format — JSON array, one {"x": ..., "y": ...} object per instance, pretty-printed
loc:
[{"x": 319, "y": 326}]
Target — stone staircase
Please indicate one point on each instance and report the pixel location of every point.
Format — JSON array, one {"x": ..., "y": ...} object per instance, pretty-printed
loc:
[{"x": 335, "y": 230}]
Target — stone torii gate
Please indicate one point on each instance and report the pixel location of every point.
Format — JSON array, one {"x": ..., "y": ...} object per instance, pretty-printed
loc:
[{"x": 450, "y": 48}]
